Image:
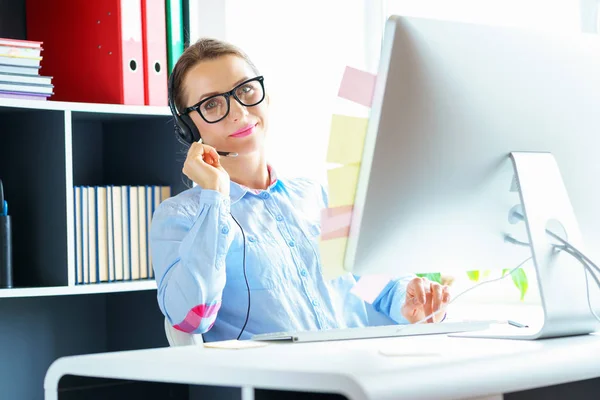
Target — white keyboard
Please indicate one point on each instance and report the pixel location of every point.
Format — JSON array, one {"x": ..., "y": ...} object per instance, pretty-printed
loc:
[{"x": 376, "y": 331}]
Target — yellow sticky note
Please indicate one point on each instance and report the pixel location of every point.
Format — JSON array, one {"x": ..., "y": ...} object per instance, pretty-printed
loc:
[
  {"x": 346, "y": 139},
  {"x": 342, "y": 183},
  {"x": 332, "y": 257}
]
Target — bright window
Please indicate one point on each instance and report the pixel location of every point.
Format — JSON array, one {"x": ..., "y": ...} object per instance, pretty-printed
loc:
[
  {"x": 555, "y": 15},
  {"x": 538, "y": 14},
  {"x": 301, "y": 48}
]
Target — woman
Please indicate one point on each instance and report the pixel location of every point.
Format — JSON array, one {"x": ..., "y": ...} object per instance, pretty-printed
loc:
[{"x": 243, "y": 227}]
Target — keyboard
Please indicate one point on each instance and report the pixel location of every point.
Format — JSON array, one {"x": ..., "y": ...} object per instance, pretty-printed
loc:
[{"x": 375, "y": 332}]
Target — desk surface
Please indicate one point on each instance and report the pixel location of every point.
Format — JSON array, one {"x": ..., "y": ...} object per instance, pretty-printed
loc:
[{"x": 455, "y": 368}]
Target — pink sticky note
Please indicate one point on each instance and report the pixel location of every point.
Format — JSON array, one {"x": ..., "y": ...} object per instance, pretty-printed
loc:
[
  {"x": 368, "y": 287},
  {"x": 357, "y": 86},
  {"x": 335, "y": 222}
]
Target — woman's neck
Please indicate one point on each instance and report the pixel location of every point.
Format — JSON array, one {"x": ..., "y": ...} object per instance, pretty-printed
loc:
[{"x": 248, "y": 170}]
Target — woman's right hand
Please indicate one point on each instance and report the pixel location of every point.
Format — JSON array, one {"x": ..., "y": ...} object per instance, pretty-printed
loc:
[{"x": 203, "y": 167}]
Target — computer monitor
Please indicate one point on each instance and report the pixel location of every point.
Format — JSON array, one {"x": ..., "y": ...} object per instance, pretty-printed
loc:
[{"x": 457, "y": 109}]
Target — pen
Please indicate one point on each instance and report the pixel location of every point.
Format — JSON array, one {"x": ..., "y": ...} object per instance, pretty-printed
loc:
[{"x": 518, "y": 325}]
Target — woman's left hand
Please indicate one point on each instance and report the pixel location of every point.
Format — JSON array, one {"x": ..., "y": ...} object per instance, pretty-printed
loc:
[{"x": 423, "y": 298}]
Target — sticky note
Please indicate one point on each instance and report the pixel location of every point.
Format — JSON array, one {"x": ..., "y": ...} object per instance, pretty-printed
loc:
[
  {"x": 235, "y": 344},
  {"x": 346, "y": 139},
  {"x": 357, "y": 86},
  {"x": 342, "y": 183},
  {"x": 368, "y": 287},
  {"x": 332, "y": 256},
  {"x": 335, "y": 222}
]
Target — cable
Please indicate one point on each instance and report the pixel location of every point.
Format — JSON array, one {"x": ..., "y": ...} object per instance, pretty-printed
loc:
[
  {"x": 245, "y": 277},
  {"x": 578, "y": 256},
  {"x": 588, "y": 265},
  {"x": 471, "y": 288},
  {"x": 566, "y": 246},
  {"x": 587, "y": 290},
  {"x": 555, "y": 236},
  {"x": 510, "y": 239}
]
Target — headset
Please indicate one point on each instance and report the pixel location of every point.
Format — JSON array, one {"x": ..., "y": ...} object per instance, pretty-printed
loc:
[{"x": 185, "y": 129}]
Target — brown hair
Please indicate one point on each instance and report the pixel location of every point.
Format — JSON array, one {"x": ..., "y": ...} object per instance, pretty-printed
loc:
[{"x": 203, "y": 49}]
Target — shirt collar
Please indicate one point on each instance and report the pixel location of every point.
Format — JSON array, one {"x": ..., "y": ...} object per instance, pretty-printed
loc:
[{"x": 237, "y": 191}]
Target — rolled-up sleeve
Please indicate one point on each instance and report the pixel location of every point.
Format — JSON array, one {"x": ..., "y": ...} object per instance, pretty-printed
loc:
[
  {"x": 189, "y": 240},
  {"x": 391, "y": 299}
]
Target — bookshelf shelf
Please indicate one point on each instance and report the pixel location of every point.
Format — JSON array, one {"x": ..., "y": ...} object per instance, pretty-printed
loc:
[
  {"x": 46, "y": 149},
  {"x": 11, "y": 105},
  {"x": 112, "y": 287}
]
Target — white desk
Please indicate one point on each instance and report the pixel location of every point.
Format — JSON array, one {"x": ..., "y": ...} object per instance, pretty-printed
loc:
[{"x": 464, "y": 368}]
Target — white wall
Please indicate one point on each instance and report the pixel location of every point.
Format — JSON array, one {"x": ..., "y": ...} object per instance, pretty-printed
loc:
[{"x": 301, "y": 48}]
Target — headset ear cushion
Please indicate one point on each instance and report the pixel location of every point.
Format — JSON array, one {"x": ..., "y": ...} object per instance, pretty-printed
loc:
[
  {"x": 183, "y": 123},
  {"x": 182, "y": 133},
  {"x": 192, "y": 131}
]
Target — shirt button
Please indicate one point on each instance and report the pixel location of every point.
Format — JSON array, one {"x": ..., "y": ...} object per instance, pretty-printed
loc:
[
  {"x": 224, "y": 230},
  {"x": 292, "y": 243},
  {"x": 264, "y": 195},
  {"x": 279, "y": 218},
  {"x": 315, "y": 303},
  {"x": 303, "y": 272},
  {"x": 251, "y": 239}
]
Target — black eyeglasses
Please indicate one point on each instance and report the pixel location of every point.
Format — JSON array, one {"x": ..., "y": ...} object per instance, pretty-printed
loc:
[{"x": 214, "y": 108}]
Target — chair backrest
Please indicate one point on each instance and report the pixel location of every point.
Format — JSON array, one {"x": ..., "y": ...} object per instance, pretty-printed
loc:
[{"x": 178, "y": 338}]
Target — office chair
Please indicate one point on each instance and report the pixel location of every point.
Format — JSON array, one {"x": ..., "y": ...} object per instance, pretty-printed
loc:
[{"x": 178, "y": 338}]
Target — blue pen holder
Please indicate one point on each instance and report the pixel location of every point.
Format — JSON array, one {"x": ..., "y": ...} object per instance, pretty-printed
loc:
[{"x": 6, "y": 280}]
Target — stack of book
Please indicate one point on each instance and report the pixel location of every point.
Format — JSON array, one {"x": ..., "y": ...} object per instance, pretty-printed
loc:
[
  {"x": 20, "y": 63},
  {"x": 111, "y": 232}
]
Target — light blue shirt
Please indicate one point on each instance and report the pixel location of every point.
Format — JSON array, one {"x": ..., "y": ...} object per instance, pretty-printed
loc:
[{"x": 197, "y": 255}]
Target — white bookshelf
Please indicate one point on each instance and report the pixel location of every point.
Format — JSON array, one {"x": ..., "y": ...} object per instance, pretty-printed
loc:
[
  {"x": 46, "y": 149},
  {"x": 49, "y": 147},
  {"x": 94, "y": 108},
  {"x": 112, "y": 287}
]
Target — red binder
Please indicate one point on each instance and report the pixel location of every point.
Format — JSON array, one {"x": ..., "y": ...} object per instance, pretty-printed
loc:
[
  {"x": 154, "y": 39},
  {"x": 93, "y": 49}
]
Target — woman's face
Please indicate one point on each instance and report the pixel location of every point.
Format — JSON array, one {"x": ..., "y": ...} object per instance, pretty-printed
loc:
[{"x": 243, "y": 129}]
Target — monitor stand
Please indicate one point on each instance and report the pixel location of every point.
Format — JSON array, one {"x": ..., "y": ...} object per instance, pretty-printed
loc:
[{"x": 561, "y": 278}]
